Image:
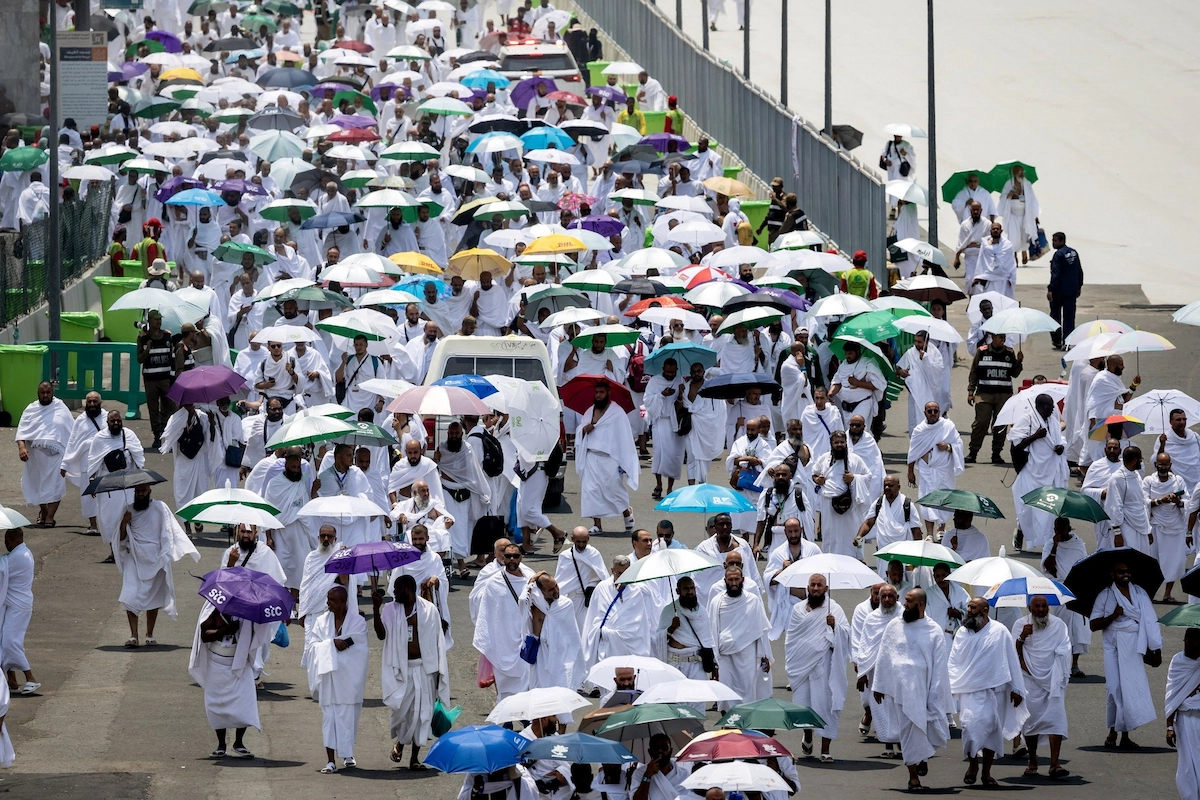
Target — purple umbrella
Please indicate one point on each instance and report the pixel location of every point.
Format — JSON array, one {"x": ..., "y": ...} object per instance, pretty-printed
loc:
[
  {"x": 205, "y": 385},
  {"x": 128, "y": 71},
  {"x": 176, "y": 184},
  {"x": 169, "y": 41},
  {"x": 372, "y": 557},
  {"x": 240, "y": 186},
  {"x": 331, "y": 85},
  {"x": 662, "y": 142},
  {"x": 786, "y": 295},
  {"x": 523, "y": 92},
  {"x": 611, "y": 94},
  {"x": 247, "y": 594},
  {"x": 398, "y": 90},
  {"x": 353, "y": 121},
  {"x": 597, "y": 223}
]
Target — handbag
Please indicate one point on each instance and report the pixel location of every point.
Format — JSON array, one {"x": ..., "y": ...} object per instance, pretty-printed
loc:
[
  {"x": 459, "y": 495},
  {"x": 1152, "y": 658},
  {"x": 233, "y": 454},
  {"x": 530, "y": 648},
  {"x": 842, "y": 502},
  {"x": 339, "y": 391},
  {"x": 685, "y": 422},
  {"x": 905, "y": 168},
  {"x": 114, "y": 460},
  {"x": 746, "y": 478}
]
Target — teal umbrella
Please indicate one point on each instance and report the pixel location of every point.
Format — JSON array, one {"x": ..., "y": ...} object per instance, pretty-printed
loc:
[
  {"x": 772, "y": 715},
  {"x": 1065, "y": 503},
  {"x": 273, "y": 145},
  {"x": 958, "y": 181},
  {"x": 231, "y": 253},
  {"x": 962, "y": 500},
  {"x": 23, "y": 159},
  {"x": 874, "y": 326},
  {"x": 555, "y": 298}
]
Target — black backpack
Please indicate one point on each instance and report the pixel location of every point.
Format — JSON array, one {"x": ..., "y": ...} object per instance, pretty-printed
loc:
[
  {"x": 493, "y": 453},
  {"x": 192, "y": 439}
]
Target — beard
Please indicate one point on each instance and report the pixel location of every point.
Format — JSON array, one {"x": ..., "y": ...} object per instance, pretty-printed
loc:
[
  {"x": 454, "y": 445},
  {"x": 1041, "y": 623},
  {"x": 796, "y": 442},
  {"x": 816, "y": 600},
  {"x": 911, "y": 614},
  {"x": 888, "y": 612},
  {"x": 325, "y": 549},
  {"x": 601, "y": 404},
  {"x": 782, "y": 486},
  {"x": 141, "y": 503},
  {"x": 93, "y": 412},
  {"x": 690, "y": 603},
  {"x": 294, "y": 477},
  {"x": 420, "y": 503},
  {"x": 837, "y": 454},
  {"x": 973, "y": 622},
  {"x": 247, "y": 547},
  {"x": 733, "y": 592}
]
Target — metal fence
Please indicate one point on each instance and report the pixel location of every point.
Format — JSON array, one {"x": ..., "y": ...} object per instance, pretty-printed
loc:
[
  {"x": 83, "y": 239},
  {"x": 838, "y": 193}
]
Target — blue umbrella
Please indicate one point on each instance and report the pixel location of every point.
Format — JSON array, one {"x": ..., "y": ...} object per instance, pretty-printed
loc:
[
  {"x": 372, "y": 557},
  {"x": 705, "y": 498},
  {"x": 334, "y": 219},
  {"x": 476, "y": 748},
  {"x": 250, "y": 55},
  {"x": 477, "y": 385},
  {"x": 1015, "y": 592},
  {"x": 473, "y": 146},
  {"x": 579, "y": 748},
  {"x": 684, "y": 353},
  {"x": 196, "y": 197},
  {"x": 287, "y": 78},
  {"x": 416, "y": 285},
  {"x": 480, "y": 78},
  {"x": 543, "y": 138},
  {"x": 247, "y": 594}
]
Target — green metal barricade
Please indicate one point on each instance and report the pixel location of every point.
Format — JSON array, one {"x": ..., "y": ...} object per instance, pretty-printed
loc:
[{"x": 109, "y": 368}]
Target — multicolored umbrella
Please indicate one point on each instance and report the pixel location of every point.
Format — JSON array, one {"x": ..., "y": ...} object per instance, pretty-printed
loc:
[
  {"x": 1128, "y": 426},
  {"x": 435, "y": 401},
  {"x": 247, "y": 594}
]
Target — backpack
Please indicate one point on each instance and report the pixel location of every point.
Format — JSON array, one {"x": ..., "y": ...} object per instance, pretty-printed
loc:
[
  {"x": 493, "y": 453},
  {"x": 192, "y": 439},
  {"x": 907, "y": 508},
  {"x": 638, "y": 379}
]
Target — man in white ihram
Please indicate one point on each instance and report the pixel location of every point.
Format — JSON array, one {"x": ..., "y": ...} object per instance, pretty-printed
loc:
[
  {"x": 465, "y": 489},
  {"x": 337, "y": 675},
  {"x": 935, "y": 460},
  {"x": 74, "y": 466},
  {"x": 606, "y": 461},
  {"x": 1126, "y": 504},
  {"x": 1061, "y": 553},
  {"x": 415, "y": 672},
  {"x": 430, "y": 575},
  {"x": 251, "y": 553},
  {"x": 42, "y": 438},
  {"x": 499, "y": 631},
  {"x": 288, "y": 486},
  {"x": 817, "y": 649},
  {"x": 1182, "y": 707},
  {"x": 550, "y": 618},
  {"x": 1037, "y": 434},
  {"x": 921, "y": 367},
  {"x": 911, "y": 672},
  {"x": 683, "y": 630},
  {"x": 149, "y": 541},
  {"x": 988, "y": 684},
  {"x": 18, "y": 612},
  {"x": 782, "y": 598},
  {"x": 1044, "y": 649},
  {"x": 740, "y": 628},
  {"x": 580, "y": 570},
  {"x": 619, "y": 618},
  {"x": 840, "y": 475},
  {"x": 316, "y": 583}
]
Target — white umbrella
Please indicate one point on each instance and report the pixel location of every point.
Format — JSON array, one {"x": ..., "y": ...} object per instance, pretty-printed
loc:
[
  {"x": 621, "y": 68},
  {"x": 498, "y": 144},
  {"x": 387, "y": 198},
  {"x": 696, "y": 205},
  {"x": 649, "y": 671},
  {"x": 839, "y": 305},
  {"x": 736, "y": 256},
  {"x": 385, "y": 387},
  {"x": 349, "y": 152},
  {"x": 11, "y": 518},
  {"x": 1154, "y": 408},
  {"x": 924, "y": 251},
  {"x": 365, "y": 321},
  {"x": 282, "y": 287},
  {"x": 663, "y": 316},
  {"x": 321, "y": 410},
  {"x": 924, "y": 549},
  {"x": 796, "y": 240},
  {"x": 1092, "y": 347},
  {"x": 463, "y": 172},
  {"x": 569, "y": 316},
  {"x": 737, "y": 776},
  {"x": 549, "y": 701},
  {"x": 888, "y": 302},
  {"x": 286, "y": 334},
  {"x": 1022, "y": 321},
  {"x": 351, "y": 275},
  {"x": 144, "y": 298},
  {"x": 1021, "y": 403},
  {"x": 688, "y": 691},
  {"x": 533, "y": 416},
  {"x": 812, "y": 259},
  {"x": 665, "y": 261},
  {"x": 999, "y": 303},
  {"x": 386, "y": 297},
  {"x": 88, "y": 172},
  {"x": 285, "y": 170},
  {"x": 552, "y": 156},
  {"x": 939, "y": 330},
  {"x": 715, "y": 293},
  {"x": 841, "y": 572},
  {"x": 905, "y": 130},
  {"x": 908, "y": 191},
  {"x": 345, "y": 507},
  {"x": 992, "y": 570},
  {"x": 238, "y": 514},
  {"x": 696, "y": 233},
  {"x": 167, "y": 128},
  {"x": 1088, "y": 329},
  {"x": 753, "y": 317},
  {"x": 372, "y": 261},
  {"x": 1188, "y": 315},
  {"x": 667, "y": 564}
]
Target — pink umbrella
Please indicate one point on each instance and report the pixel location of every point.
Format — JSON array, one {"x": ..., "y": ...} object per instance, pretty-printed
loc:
[
  {"x": 694, "y": 276},
  {"x": 571, "y": 201},
  {"x": 438, "y": 401}
]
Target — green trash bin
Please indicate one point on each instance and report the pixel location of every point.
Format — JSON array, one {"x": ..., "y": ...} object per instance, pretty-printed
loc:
[
  {"x": 133, "y": 268},
  {"x": 656, "y": 121},
  {"x": 20, "y": 374},
  {"x": 77, "y": 326},
  {"x": 756, "y": 212},
  {"x": 118, "y": 325},
  {"x": 733, "y": 172},
  {"x": 595, "y": 70}
]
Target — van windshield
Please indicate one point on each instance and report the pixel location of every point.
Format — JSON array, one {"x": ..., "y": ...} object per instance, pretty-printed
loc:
[
  {"x": 529, "y": 369},
  {"x": 546, "y": 62}
]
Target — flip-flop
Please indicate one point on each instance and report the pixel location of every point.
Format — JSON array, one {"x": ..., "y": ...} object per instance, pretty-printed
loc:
[
  {"x": 329, "y": 768},
  {"x": 131, "y": 642},
  {"x": 989, "y": 781},
  {"x": 218, "y": 753},
  {"x": 241, "y": 752},
  {"x": 1058, "y": 774},
  {"x": 1129, "y": 744},
  {"x": 418, "y": 767},
  {"x": 916, "y": 788},
  {"x": 970, "y": 778},
  {"x": 891, "y": 755},
  {"x": 394, "y": 756},
  {"x": 1031, "y": 772}
]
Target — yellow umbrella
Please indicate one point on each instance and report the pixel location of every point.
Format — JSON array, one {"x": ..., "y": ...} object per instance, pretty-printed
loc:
[
  {"x": 728, "y": 187},
  {"x": 415, "y": 263},
  {"x": 185, "y": 73},
  {"x": 554, "y": 244},
  {"x": 469, "y": 264}
]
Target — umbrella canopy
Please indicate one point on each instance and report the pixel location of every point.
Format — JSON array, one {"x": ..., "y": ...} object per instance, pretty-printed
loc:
[
  {"x": 640, "y": 722},
  {"x": 998, "y": 175},
  {"x": 615, "y": 336},
  {"x": 123, "y": 479},
  {"x": 1155, "y": 408},
  {"x": 591, "y": 280},
  {"x": 667, "y": 564},
  {"x": 146, "y": 298},
  {"x": 433, "y": 401},
  {"x": 874, "y": 326},
  {"x": 648, "y": 671},
  {"x": 992, "y": 570},
  {"x": 198, "y": 198},
  {"x": 1095, "y": 327},
  {"x": 579, "y": 393},
  {"x": 275, "y": 118},
  {"x": 569, "y": 316},
  {"x": 715, "y": 294},
  {"x": 685, "y": 354},
  {"x": 1021, "y": 321},
  {"x": 924, "y": 251},
  {"x": 839, "y": 305},
  {"x": 900, "y": 307},
  {"x": 1186, "y": 616},
  {"x": 537, "y": 703},
  {"x": 11, "y": 518},
  {"x": 868, "y": 350},
  {"x": 228, "y": 496},
  {"x": 476, "y": 748},
  {"x": 273, "y": 145},
  {"x": 734, "y": 385},
  {"x": 962, "y": 500},
  {"x": 771, "y": 714},
  {"x": 756, "y": 316},
  {"x": 737, "y": 776},
  {"x": 688, "y": 691},
  {"x": 728, "y": 187},
  {"x": 578, "y": 748},
  {"x": 471, "y": 264},
  {"x": 341, "y": 507},
  {"x": 938, "y": 329},
  {"x": 704, "y": 498},
  {"x": 841, "y": 572},
  {"x": 927, "y": 288},
  {"x": 1016, "y": 592},
  {"x": 371, "y": 557},
  {"x": 1065, "y": 503},
  {"x": 731, "y": 745},
  {"x": 1188, "y": 315},
  {"x": 1023, "y": 401},
  {"x": 232, "y": 252},
  {"x": 1094, "y": 574},
  {"x": 350, "y": 274},
  {"x": 958, "y": 181},
  {"x": 555, "y": 298},
  {"x": 1127, "y": 425},
  {"x": 376, "y": 327},
  {"x": 415, "y": 263},
  {"x": 908, "y": 191},
  {"x": 925, "y": 553},
  {"x": 247, "y": 594},
  {"x": 309, "y": 430},
  {"x": 533, "y": 416},
  {"x": 205, "y": 384},
  {"x": 22, "y": 159},
  {"x": 238, "y": 514}
]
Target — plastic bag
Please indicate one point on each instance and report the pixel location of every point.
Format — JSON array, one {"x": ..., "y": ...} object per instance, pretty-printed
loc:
[{"x": 443, "y": 718}]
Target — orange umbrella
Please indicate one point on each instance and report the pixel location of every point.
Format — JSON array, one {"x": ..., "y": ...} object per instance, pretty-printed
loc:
[{"x": 666, "y": 301}]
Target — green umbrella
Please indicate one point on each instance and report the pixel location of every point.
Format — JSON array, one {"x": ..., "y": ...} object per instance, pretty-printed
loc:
[
  {"x": 274, "y": 145},
  {"x": 253, "y": 22},
  {"x": 284, "y": 7},
  {"x": 111, "y": 154},
  {"x": 874, "y": 326},
  {"x": 962, "y": 500},
  {"x": 153, "y": 45},
  {"x": 233, "y": 115},
  {"x": 772, "y": 715},
  {"x": 869, "y": 350},
  {"x": 1065, "y": 503},
  {"x": 23, "y": 159},
  {"x": 152, "y": 107},
  {"x": 350, "y": 94},
  {"x": 315, "y": 296},
  {"x": 231, "y": 253},
  {"x": 642, "y": 721},
  {"x": 368, "y": 435},
  {"x": 277, "y": 211},
  {"x": 958, "y": 181},
  {"x": 200, "y": 8},
  {"x": 617, "y": 335},
  {"x": 1183, "y": 617},
  {"x": 998, "y": 175},
  {"x": 555, "y": 298}
]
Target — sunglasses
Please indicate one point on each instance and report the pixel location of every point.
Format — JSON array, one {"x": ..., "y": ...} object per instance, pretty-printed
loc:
[{"x": 512, "y": 555}]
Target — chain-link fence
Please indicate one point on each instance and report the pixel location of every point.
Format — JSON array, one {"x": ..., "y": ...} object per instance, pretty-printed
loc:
[{"x": 83, "y": 239}]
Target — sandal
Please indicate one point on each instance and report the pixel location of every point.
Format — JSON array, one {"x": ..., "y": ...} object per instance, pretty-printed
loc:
[
  {"x": 558, "y": 544},
  {"x": 417, "y": 766},
  {"x": 394, "y": 755},
  {"x": 915, "y": 786},
  {"x": 988, "y": 781},
  {"x": 329, "y": 768},
  {"x": 241, "y": 752},
  {"x": 218, "y": 753},
  {"x": 970, "y": 778},
  {"x": 1110, "y": 743},
  {"x": 150, "y": 641},
  {"x": 891, "y": 754},
  {"x": 131, "y": 642},
  {"x": 826, "y": 758},
  {"x": 806, "y": 748},
  {"x": 349, "y": 762},
  {"x": 92, "y": 532},
  {"x": 1058, "y": 774},
  {"x": 1031, "y": 772}
]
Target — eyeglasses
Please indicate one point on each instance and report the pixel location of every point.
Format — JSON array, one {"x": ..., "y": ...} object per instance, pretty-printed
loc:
[
  {"x": 275, "y": 346},
  {"x": 512, "y": 555}
]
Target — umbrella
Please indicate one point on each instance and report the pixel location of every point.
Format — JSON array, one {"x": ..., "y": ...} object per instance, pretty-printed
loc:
[
  {"x": 384, "y": 388},
  {"x": 653, "y": 258},
  {"x": 1093, "y": 574},
  {"x": 839, "y": 305},
  {"x": 275, "y": 118},
  {"x": 235, "y": 514},
  {"x": 569, "y": 316},
  {"x": 924, "y": 251},
  {"x": 273, "y": 145},
  {"x": 371, "y": 557},
  {"x": 924, "y": 553},
  {"x": 434, "y": 401},
  {"x": 992, "y": 570},
  {"x": 229, "y": 496},
  {"x": 231, "y": 253},
  {"x": 938, "y": 329},
  {"x": 1015, "y": 592},
  {"x": 999, "y": 303},
  {"x": 578, "y": 748},
  {"x": 446, "y": 106},
  {"x": 247, "y": 594},
  {"x": 908, "y": 191},
  {"x": 694, "y": 205},
  {"x": 110, "y": 154},
  {"x": 1023, "y": 401},
  {"x": 22, "y": 159},
  {"x": 471, "y": 264},
  {"x": 696, "y": 233},
  {"x": 737, "y": 776},
  {"x": 88, "y": 172},
  {"x": 323, "y": 410},
  {"x": 685, "y": 354},
  {"x": 667, "y": 563},
  {"x": 555, "y": 298},
  {"x": 802, "y": 240},
  {"x": 869, "y": 350},
  {"x": 874, "y": 326},
  {"x": 590, "y": 280},
  {"x": 666, "y": 303},
  {"x": 728, "y": 187},
  {"x": 545, "y": 137},
  {"x": 999, "y": 175},
  {"x": 475, "y": 384},
  {"x": 1129, "y": 427},
  {"x": 1065, "y": 503},
  {"x": 205, "y": 384},
  {"x": 1188, "y": 315},
  {"x": 415, "y": 263},
  {"x": 199, "y": 198},
  {"x": 1139, "y": 341},
  {"x": 1186, "y": 616},
  {"x": 533, "y": 416},
  {"x": 287, "y": 78},
  {"x": 900, "y": 307},
  {"x": 962, "y": 500},
  {"x": 616, "y": 336},
  {"x": 146, "y": 298},
  {"x": 715, "y": 294},
  {"x": 350, "y": 274},
  {"x": 958, "y": 181},
  {"x": 476, "y": 748},
  {"x": 309, "y": 430},
  {"x": 704, "y": 498},
  {"x": 905, "y": 130},
  {"x": 688, "y": 691},
  {"x": 738, "y": 255},
  {"x": 648, "y": 671},
  {"x": 847, "y": 136},
  {"x": 555, "y": 244},
  {"x": 123, "y": 479},
  {"x": 375, "y": 326},
  {"x": 1155, "y": 408},
  {"x": 641, "y": 722},
  {"x": 548, "y": 701},
  {"x": 1094, "y": 327},
  {"x": 600, "y": 224},
  {"x": 578, "y": 394},
  {"x": 523, "y": 91},
  {"x": 841, "y": 572},
  {"x": 785, "y": 300},
  {"x": 11, "y": 518},
  {"x": 230, "y": 45},
  {"x": 731, "y": 745},
  {"x": 734, "y": 385},
  {"x": 1021, "y": 321},
  {"x": 771, "y": 714}
]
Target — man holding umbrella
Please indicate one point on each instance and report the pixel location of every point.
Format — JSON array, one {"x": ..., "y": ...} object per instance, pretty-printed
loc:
[
  {"x": 1037, "y": 440},
  {"x": 606, "y": 460},
  {"x": 1044, "y": 650},
  {"x": 113, "y": 449}
]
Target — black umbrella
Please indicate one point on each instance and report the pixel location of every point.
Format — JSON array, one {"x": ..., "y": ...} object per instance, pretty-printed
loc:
[
  {"x": 287, "y": 78},
  {"x": 643, "y": 287},
  {"x": 123, "y": 479},
  {"x": 275, "y": 118},
  {"x": 734, "y": 385},
  {"x": 640, "y": 152},
  {"x": 1092, "y": 575},
  {"x": 498, "y": 122},
  {"x": 102, "y": 22},
  {"x": 756, "y": 301},
  {"x": 675, "y": 158},
  {"x": 316, "y": 179},
  {"x": 1190, "y": 582},
  {"x": 231, "y": 44},
  {"x": 477, "y": 55},
  {"x": 539, "y": 206},
  {"x": 848, "y": 136},
  {"x": 236, "y": 155}
]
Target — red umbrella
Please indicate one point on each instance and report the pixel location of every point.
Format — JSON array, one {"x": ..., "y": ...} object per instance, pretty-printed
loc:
[
  {"x": 694, "y": 276},
  {"x": 666, "y": 301},
  {"x": 354, "y": 136},
  {"x": 570, "y": 97},
  {"x": 725, "y": 745},
  {"x": 579, "y": 393},
  {"x": 355, "y": 45}
]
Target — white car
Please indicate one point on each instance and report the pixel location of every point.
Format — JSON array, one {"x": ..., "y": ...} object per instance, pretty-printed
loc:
[{"x": 552, "y": 60}]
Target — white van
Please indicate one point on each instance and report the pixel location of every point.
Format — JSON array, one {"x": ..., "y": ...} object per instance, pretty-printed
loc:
[{"x": 514, "y": 356}]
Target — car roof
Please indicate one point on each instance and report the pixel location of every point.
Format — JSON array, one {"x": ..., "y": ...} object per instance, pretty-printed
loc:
[{"x": 532, "y": 49}]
